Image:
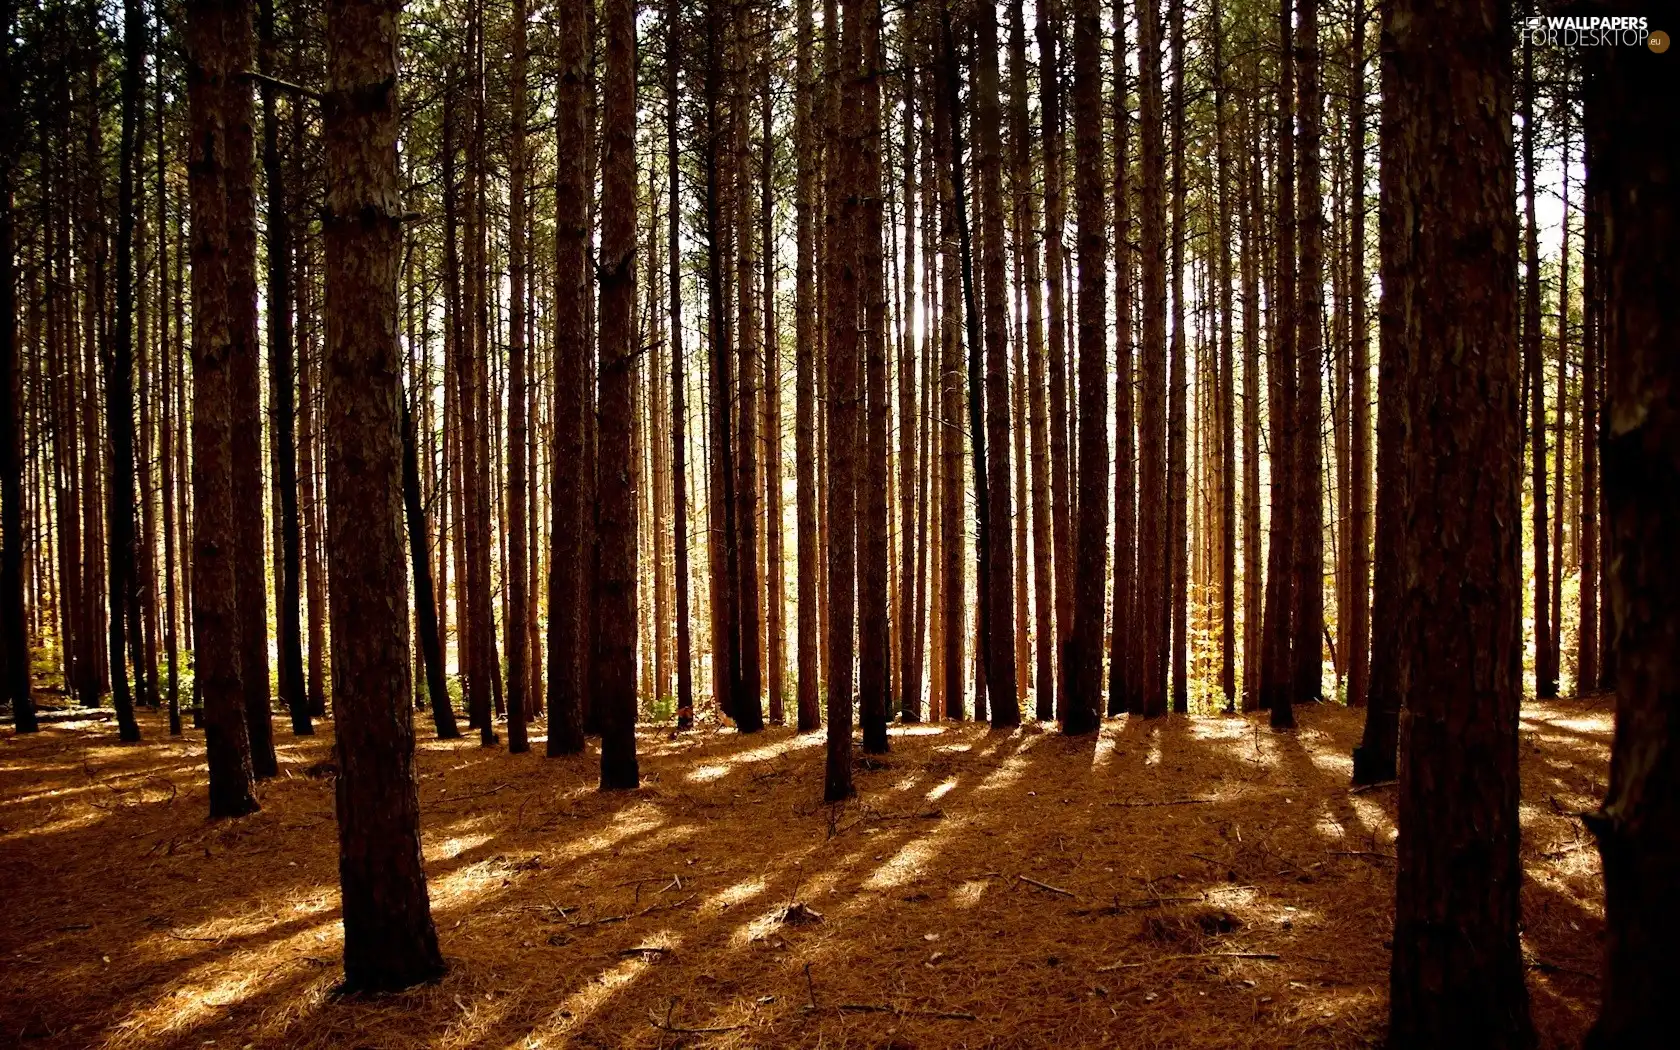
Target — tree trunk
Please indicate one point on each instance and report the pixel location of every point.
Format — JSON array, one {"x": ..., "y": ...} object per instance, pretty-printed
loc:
[
  {"x": 1048, "y": 30},
  {"x": 247, "y": 399},
  {"x": 1152, "y": 465},
  {"x": 425, "y": 602},
  {"x": 1308, "y": 473},
  {"x": 1357, "y": 634},
  {"x": 14, "y": 631},
  {"x": 389, "y": 940},
  {"x": 1632, "y": 168},
  {"x": 1123, "y": 678},
  {"x": 1178, "y": 525},
  {"x": 1276, "y": 668},
  {"x": 210, "y": 64},
  {"x": 616, "y": 582},
  {"x": 679, "y": 414},
  {"x": 1227, "y": 387},
  {"x": 518, "y": 645},
  {"x": 1084, "y": 654},
  {"x": 873, "y": 475},
  {"x": 951, "y": 386},
  {"x": 567, "y": 547},
  {"x": 1545, "y": 671},
  {"x": 844, "y": 220},
  {"x": 1449, "y": 293},
  {"x": 278, "y": 244}
]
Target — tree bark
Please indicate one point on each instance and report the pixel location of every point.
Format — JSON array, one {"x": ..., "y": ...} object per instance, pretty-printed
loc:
[
  {"x": 218, "y": 664},
  {"x": 1545, "y": 670},
  {"x": 1448, "y": 278},
  {"x": 1152, "y": 465},
  {"x": 567, "y": 548},
  {"x": 518, "y": 645},
  {"x": 1084, "y": 656},
  {"x": 389, "y": 940},
  {"x": 616, "y": 582},
  {"x": 1308, "y": 473},
  {"x": 1631, "y": 130}
]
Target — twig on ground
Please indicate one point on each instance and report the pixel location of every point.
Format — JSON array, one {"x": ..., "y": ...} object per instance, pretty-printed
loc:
[
  {"x": 1046, "y": 886},
  {"x": 1547, "y": 966},
  {"x": 463, "y": 798},
  {"x": 906, "y": 1011},
  {"x": 1359, "y": 853},
  {"x": 810, "y": 988},
  {"x": 1164, "y": 802},
  {"x": 1361, "y": 789}
]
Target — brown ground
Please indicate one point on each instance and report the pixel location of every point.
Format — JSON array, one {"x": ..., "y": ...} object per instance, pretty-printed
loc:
[{"x": 1215, "y": 884}]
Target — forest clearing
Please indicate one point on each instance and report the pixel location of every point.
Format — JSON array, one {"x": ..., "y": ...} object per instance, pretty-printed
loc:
[{"x": 1194, "y": 882}]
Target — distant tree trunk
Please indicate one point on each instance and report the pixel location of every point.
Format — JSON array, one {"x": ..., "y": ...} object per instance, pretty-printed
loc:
[
  {"x": 776, "y": 583},
  {"x": 1545, "y": 670},
  {"x": 1152, "y": 464},
  {"x": 1631, "y": 132},
  {"x": 1254, "y": 558},
  {"x": 1276, "y": 668},
  {"x": 425, "y": 602},
  {"x": 169, "y": 357},
  {"x": 616, "y": 583},
  {"x": 950, "y": 372},
  {"x": 1308, "y": 475},
  {"x": 389, "y": 940},
  {"x": 567, "y": 531},
  {"x": 14, "y": 631},
  {"x": 1227, "y": 387},
  {"x": 119, "y": 389},
  {"x": 844, "y": 220},
  {"x": 1084, "y": 655},
  {"x": 874, "y": 479},
  {"x": 308, "y": 505},
  {"x": 679, "y": 413},
  {"x": 1123, "y": 678},
  {"x": 1178, "y": 506},
  {"x": 1587, "y": 653},
  {"x": 1357, "y": 635},
  {"x": 215, "y": 582},
  {"x": 247, "y": 398},
  {"x": 1026, "y": 232},
  {"x": 1048, "y": 31},
  {"x": 518, "y": 645},
  {"x": 747, "y": 697},
  {"x": 277, "y": 245},
  {"x": 1449, "y": 292}
]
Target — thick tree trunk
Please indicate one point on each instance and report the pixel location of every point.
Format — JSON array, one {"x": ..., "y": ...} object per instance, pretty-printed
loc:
[
  {"x": 844, "y": 219},
  {"x": 1308, "y": 473},
  {"x": 1151, "y": 608},
  {"x": 1632, "y": 131},
  {"x": 389, "y": 940},
  {"x": 567, "y": 547},
  {"x": 874, "y": 478},
  {"x": 214, "y": 595},
  {"x": 1449, "y": 290},
  {"x": 1178, "y": 506},
  {"x": 1123, "y": 677},
  {"x": 1048, "y": 31},
  {"x": 1276, "y": 667},
  {"x": 950, "y": 383},
  {"x": 1084, "y": 654},
  {"x": 616, "y": 582}
]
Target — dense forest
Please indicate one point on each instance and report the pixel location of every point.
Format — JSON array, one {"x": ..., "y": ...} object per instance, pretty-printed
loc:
[{"x": 754, "y": 401}]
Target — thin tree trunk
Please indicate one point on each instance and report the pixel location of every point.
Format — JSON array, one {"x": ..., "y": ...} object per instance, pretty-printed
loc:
[
  {"x": 1308, "y": 473},
  {"x": 518, "y": 645},
  {"x": 1152, "y": 592},
  {"x": 1357, "y": 634},
  {"x": 1047, "y": 29}
]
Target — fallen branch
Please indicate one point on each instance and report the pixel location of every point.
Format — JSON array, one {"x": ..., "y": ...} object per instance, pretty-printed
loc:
[
  {"x": 1547, "y": 966},
  {"x": 1361, "y": 789},
  {"x": 1359, "y": 853},
  {"x": 1165, "y": 802},
  {"x": 1193, "y": 955},
  {"x": 905, "y": 1011},
  {"x": 643, "y": 949},
  {"x": 1046, "y": 886}
]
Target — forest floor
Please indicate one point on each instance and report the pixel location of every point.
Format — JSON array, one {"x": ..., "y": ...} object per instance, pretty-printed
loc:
[{"x": 1189, "y": 882}]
